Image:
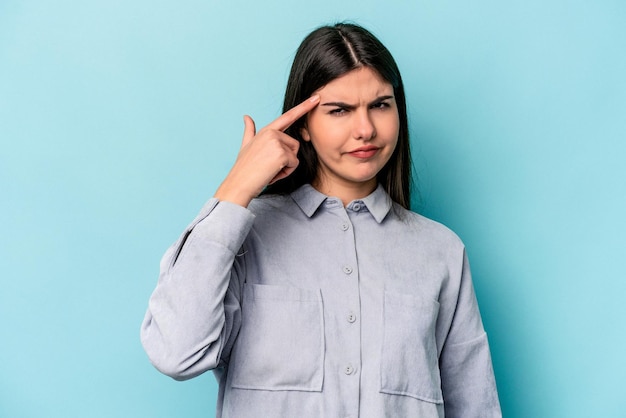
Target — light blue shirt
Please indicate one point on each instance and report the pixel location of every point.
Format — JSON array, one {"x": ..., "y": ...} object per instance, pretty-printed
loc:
[{"x": 306, "y": 308}]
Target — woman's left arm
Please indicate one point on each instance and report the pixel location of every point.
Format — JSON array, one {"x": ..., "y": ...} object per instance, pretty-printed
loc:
[{"x": 467, "y": 378}]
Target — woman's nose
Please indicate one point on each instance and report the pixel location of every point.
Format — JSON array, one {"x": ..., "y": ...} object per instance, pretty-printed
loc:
[{"x": 363, "y": 126}]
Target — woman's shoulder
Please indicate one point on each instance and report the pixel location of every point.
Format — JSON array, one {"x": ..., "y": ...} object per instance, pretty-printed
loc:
[
  {"x": 270, "y": 204},
  {"x": 430, "y": 229}
]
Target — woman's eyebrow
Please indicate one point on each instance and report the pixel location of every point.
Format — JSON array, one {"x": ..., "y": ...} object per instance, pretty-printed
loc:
[
  {"x": 350, "y": 106},
  {"x": 380, "y": 99},
  {"x": 339, "y": 104}
]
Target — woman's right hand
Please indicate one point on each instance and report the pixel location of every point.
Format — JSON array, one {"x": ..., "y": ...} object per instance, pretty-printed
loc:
[{"x": 265, "y": 156}]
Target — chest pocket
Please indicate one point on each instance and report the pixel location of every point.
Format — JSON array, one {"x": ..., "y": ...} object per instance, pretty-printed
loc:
[
  {"x": 409, "y": 363},
  {"x": 281, "y": 341}
]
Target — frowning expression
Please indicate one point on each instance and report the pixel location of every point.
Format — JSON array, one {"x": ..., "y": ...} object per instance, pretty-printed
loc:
[{"x": 354, "y": 131}]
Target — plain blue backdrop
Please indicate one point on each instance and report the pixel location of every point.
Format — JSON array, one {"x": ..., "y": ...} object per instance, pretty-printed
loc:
[{"x": 118, "y": 119}]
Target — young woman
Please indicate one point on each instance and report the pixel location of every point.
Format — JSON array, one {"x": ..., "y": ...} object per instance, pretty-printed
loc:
[{"x": 325, "y": 296}]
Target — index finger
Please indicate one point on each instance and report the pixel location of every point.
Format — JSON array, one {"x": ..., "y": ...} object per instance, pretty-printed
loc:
[{"x": 285, "y": 120}]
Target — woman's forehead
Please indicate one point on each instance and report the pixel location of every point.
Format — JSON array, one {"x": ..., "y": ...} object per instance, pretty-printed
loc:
[{"x": 362, "y": 83}]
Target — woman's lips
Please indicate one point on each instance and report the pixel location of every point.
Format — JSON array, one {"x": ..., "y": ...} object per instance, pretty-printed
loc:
[{"x": 365, "y": 152}]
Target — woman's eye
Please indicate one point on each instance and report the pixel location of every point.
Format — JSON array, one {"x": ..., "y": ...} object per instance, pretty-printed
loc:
[
  {"x": 380, "y": 105},
  {"x": 338, "y": 111}
]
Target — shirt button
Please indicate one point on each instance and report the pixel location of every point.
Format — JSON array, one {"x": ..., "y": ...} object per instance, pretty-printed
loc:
[
  {"x": 356, "y": 207},
  {"x": 347, "y": 269},
  {"x": 348, "y": 369},
  {"x": 351, "y": 317},
  {"x": 344, "y": 227}
]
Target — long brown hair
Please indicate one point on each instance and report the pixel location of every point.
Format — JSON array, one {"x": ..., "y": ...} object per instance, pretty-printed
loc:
[{"x": 326, "y": 54}]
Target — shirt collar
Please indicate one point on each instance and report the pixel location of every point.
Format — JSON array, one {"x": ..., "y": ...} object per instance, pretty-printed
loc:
[{"x": 378, "y": 203}]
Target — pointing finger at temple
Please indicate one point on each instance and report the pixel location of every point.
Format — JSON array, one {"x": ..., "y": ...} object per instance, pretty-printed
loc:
[{"x": 285, "y": 120}]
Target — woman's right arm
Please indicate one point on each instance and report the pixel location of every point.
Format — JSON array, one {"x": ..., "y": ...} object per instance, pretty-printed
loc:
[
  {"x": 194, "y": 312},
  {"x": 195, "y": 306}
]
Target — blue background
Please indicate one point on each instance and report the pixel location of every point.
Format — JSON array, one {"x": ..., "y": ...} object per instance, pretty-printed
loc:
[{"x": 119, "y": 119}]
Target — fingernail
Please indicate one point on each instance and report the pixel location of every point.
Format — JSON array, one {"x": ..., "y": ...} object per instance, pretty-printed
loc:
[{"x": 315, "y": 98}]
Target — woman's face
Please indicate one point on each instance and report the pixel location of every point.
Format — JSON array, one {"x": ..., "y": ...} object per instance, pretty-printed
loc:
[{"x": 354, "y": 131}]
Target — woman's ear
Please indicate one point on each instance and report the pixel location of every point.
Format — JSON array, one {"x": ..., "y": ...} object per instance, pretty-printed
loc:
[{"x": 305, "y": 133}]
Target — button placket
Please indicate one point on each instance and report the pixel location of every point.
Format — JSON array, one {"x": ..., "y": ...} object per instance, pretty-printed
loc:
[{"x": 346, "y": 295}]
